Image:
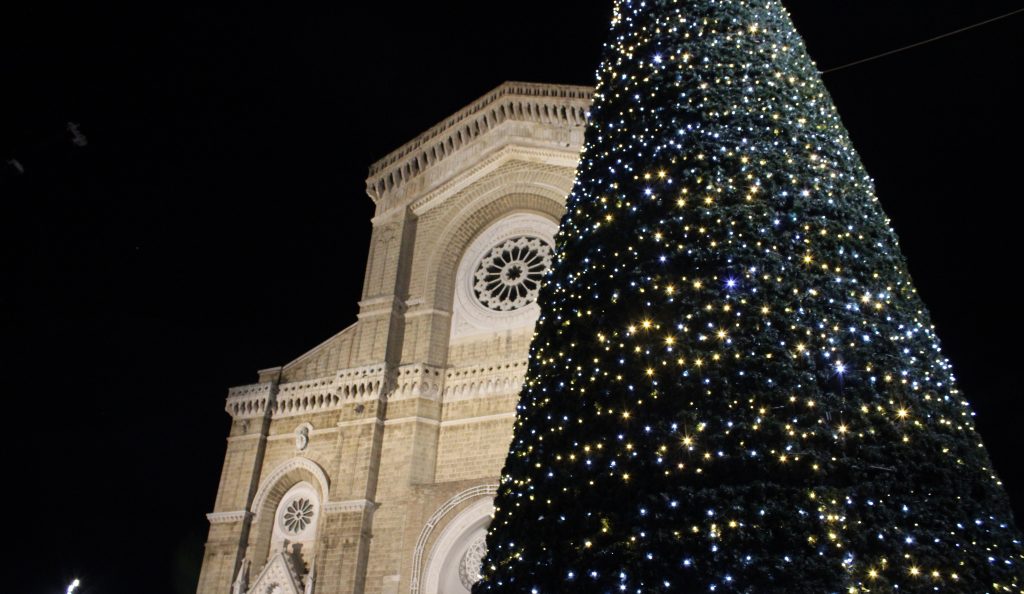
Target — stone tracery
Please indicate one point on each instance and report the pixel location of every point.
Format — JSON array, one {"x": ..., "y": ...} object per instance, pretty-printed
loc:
[
  {"x": 509, "y": 275},
  {"x": 473, "y": 561}
]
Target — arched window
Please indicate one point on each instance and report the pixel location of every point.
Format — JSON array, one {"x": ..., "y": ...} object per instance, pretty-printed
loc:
[
  {"x": 295, "y": 525},
  {"x": 500, "y": 274}
]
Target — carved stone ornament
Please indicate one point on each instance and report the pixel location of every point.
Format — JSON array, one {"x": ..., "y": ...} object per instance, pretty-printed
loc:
[
  {"x": 277, "y": 577},
  {"x": 310, "y": 579},
  {"x": 508, "y": 276},
  {"x": 302, "y": 438},
  {"x": 241, "y": 583}
]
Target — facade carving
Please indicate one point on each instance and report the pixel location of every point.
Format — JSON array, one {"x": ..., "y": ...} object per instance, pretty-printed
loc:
[{"x": 369, "y": 463}]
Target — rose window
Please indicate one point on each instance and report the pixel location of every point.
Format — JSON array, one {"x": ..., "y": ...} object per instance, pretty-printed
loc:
[
  {"x": 509, "y": 275},
  {"x": 471, "y": 566},
  {"x": 298, "y": 515}
]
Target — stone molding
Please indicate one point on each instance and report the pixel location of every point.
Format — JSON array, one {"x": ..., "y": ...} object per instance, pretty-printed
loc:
[
  {"x": 564, "y": 106},
  {"x": 350, "y": 506},
  {"x": 426, "y": 311},
  {"x": 357, "y": 422},
  {"x": 228, "y": 517},
  {"x": 450, "y": 422},
  {"x": 297, "y": 463},
  {"x": 379, "y": 306},
  {"x": 481, "y": 419}
]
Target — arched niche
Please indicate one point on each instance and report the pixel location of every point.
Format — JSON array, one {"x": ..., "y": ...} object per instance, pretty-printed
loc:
[{"x": 273, "y": 492}]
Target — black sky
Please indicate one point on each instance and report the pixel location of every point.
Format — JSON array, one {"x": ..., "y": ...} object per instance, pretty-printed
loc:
[{"x": 216, "y": 222}]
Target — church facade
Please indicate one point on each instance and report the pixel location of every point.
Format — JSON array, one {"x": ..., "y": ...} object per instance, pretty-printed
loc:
[{"x": 369, "y": 464}]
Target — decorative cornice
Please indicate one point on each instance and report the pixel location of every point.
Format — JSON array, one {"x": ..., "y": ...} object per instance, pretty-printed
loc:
[
  {"x": 350, "y": 506},
  {"x": 564, "y": 106},
  {"x": 228, "y": 517},
  {"x": 381, "y": 302},
  {"x": 427, "y": 311},
  {"x": 357, "y": 422}
]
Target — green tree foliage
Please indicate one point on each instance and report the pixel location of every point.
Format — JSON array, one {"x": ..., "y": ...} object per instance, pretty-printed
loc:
[{"x": 734, "y": 385}]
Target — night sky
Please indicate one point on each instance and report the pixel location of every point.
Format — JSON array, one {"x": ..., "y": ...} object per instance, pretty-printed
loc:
[{"x": 216, "y": 222}]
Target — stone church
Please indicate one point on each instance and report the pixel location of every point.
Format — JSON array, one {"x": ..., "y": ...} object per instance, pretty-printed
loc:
[{"x": 369, "y": 463}]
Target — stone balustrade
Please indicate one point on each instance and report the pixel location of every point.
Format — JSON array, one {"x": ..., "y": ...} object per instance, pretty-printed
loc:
[{"x": 371, "y": 383}]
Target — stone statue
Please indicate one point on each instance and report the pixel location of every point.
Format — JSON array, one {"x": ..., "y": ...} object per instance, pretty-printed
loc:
[
  {"x": 311, "y": 577},
  {"x": 302, "y": 438},
  {"x": 242, "y": 579}
]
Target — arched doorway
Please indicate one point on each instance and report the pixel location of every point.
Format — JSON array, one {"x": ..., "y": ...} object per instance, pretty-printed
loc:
[{"x": 453, "y": 565}]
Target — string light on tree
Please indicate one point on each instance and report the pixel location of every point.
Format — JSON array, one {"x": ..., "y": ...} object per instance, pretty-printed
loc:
[{"x": 734, "y": 386}]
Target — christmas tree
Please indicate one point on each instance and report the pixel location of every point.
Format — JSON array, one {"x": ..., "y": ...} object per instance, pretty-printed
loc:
[{"x": 734, "y": 385}]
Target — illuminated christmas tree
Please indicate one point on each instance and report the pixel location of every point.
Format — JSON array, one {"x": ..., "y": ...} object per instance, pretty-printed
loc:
[{"x": 734, "y": 385}]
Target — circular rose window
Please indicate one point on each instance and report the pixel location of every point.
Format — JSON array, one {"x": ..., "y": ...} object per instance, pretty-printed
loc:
[
  {"x": 472, "y": 563},
  {"x": 508, "y": 276},
  {"x": 297, "y": 515}
]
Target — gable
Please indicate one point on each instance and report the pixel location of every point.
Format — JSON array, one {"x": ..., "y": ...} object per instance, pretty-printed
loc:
[{"x": 278, "y": 577}]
